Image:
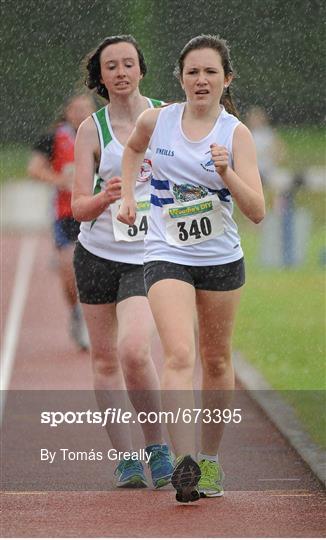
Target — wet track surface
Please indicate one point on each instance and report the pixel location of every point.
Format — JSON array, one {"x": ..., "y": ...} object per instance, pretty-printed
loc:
[{"x": 270, "y": 491}]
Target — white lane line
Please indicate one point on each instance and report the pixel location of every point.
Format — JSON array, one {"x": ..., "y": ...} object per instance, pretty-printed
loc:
[
  {"x": 293, "y": 494},
  {"x": 16, "y": 310},
  {"x": 25, "y": 492},
  {"x": 279, "y": 479}
]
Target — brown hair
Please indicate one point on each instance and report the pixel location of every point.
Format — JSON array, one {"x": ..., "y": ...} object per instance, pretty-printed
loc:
[
  {"x": 93, "y": 65},
  {"x": 206, "y": 41}
]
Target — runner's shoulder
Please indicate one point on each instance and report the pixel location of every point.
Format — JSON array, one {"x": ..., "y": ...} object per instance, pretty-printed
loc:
[
  {"x": 87, "y": 131},
  {"x": 242, "y": 136},
  {"x": 147, "y": 120}
]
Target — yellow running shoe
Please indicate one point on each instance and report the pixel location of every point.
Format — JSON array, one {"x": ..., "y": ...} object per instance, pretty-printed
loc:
[{"x": 212, "y": 476}]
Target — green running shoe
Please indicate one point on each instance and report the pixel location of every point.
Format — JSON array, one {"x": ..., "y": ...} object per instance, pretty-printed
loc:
[
  {"x": 130, "y": 474},
  {"x": 160, "y": 464},
  {"x": 185, "y": 477},
  {"x": 212, "y": 476}
]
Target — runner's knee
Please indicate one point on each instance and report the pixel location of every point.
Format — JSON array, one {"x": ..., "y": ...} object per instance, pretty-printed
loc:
[
  {"x": 216, "y": 364},
  {"x": 182, "y": 357},
  {"x": 133, "y": 356},
  {"x": 105, "y": 362}
]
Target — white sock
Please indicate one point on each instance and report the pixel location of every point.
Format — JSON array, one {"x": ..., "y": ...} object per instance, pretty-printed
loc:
[
  {"x": 207, "y": 457},
  {"x": 76, "y": 310},
  {"x": 193, "y": 456}
]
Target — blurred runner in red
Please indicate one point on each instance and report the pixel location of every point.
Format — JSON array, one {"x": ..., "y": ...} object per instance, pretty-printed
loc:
[{"x": 52, "y": 161}]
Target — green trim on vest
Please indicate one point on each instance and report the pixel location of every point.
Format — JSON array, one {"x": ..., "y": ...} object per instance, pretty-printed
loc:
[
  {"x": 101, "y": 117},
  {"x": 96, "y": 190},
  {"x": 156, "y": 102}
]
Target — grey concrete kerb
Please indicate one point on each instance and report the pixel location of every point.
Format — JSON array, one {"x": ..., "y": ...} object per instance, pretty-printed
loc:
[{"x": 282, "y": 415}]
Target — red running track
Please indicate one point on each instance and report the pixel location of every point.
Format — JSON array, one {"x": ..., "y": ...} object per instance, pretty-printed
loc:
[{"x": 45, "y": 358}]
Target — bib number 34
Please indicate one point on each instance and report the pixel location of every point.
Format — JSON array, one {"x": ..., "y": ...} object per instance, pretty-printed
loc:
[
  {"x": 131, "y": 233},
  {"x": 140, "y": 229}
]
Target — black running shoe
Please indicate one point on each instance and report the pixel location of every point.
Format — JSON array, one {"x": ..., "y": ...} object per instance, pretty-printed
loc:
[{"x": 185, "y": 477}]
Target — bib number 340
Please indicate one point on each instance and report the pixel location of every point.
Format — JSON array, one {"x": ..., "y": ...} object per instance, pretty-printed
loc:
[
  {"x": 196, "y": 229},
  {"x": 193, "y": 222}
]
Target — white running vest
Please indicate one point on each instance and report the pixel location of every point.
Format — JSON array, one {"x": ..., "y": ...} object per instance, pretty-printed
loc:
[
  {"x": 191, "y": 209},
  {"x": 105, "y": 236}
]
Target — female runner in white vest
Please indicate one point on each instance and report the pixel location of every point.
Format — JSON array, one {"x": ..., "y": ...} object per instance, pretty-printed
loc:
[
  {"x": 203, "y": 158},
  {"x": 108, "y": 257}
]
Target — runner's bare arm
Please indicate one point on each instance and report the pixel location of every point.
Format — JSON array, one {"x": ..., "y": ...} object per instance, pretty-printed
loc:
[
  {"x": 244, "y": 181},
  {"x": 86, "y": 206},
  {"x": 133, "y": 156},
  {"x": 39, "y": 167}
]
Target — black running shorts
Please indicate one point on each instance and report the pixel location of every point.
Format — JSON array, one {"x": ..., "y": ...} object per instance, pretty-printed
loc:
[
  {"x": 101, "y": 281},
  {"x": 222, "y": 277}
]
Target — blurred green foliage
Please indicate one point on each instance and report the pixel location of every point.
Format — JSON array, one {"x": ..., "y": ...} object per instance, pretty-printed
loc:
[{"x": 276, "y": 48}]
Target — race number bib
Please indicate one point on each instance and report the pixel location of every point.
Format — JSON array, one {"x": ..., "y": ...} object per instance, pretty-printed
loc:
[
  {"x": 193, "y": 222},
  {"x": 131, "y": 233}
]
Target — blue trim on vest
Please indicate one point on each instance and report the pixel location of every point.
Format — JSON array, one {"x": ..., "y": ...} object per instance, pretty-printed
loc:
[
  {"x": 160, "y": 184},
  {"x": 222, "y": 194},
  {"x": 161, "y": 201}
]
